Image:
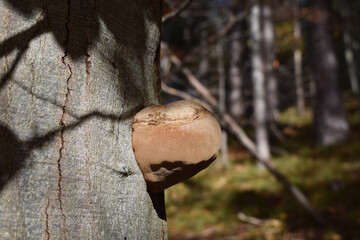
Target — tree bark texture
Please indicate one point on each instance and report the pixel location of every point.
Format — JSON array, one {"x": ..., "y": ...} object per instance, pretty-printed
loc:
[
  {"x": 73, "y": 74},
  {"x": 330, "y": 123}
]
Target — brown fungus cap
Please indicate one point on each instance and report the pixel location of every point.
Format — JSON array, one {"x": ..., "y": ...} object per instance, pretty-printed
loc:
[{"x": 174, "y": 142}]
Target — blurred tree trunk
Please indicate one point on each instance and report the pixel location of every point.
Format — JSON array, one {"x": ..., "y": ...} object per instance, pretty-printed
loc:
[
  {"x": 236, "y": 107},
  {"x": 268, "y": 41},
  {"x": 350, "y": 61},
  {"x": 73, "y": 74},
  {"x": 222, "y": 101},
  {"x": 300, "y": 97},
  {"x": 259, "y": 84},
  {"x": 349, "y": 52},
  {"x": 204, "y": 60},
  {"x": 349, "y": 55},
  {"x": 330, "y": 123}
]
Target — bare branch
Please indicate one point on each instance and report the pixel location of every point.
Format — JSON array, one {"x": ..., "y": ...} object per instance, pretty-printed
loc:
[
  {"x": 177, "y": 11},
  {"x": 184, "y": 95},
  {"x": 251, "y": 220},
  {"x": 212, "y": 39}
]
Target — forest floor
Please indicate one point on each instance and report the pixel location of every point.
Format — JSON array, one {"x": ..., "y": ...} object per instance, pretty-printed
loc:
[{"x": 207, "y": 206}]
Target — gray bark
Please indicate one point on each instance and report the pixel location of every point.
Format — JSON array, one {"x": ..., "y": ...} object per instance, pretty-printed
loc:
[
  {"x": 330, "y": 123},
  {"x": 73, "y": 74},
  {"x": 258, "y": 78}
]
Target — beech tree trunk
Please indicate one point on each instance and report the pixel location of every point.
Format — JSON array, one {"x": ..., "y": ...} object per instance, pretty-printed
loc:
[
  {"x": 73, "y": 74},
  {"x": 330, "y": 123}
]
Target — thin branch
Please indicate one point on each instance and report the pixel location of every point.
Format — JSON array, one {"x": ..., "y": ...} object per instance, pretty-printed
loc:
[
  {"x": 211, "y": 40},
  {"x": 232, "y": 20},
  {"x": 184, "y": 95},
  {"x": 177, "y": 11},
  {"x": 214, "y": 38},
  {"x": 252, "y": 220}
]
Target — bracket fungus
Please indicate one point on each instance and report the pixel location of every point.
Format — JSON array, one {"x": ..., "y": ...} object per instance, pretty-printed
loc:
[{"x": 174, "y": 142}]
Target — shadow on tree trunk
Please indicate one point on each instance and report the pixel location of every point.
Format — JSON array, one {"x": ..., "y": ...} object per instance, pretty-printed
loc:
[{"x": 13, "y": 151}]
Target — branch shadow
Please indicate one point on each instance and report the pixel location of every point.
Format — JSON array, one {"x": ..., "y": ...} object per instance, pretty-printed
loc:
[
  {"x": 75, "y": 24},
  {"x": 14, "y": 152},
  {"x": 21, "y": 42}
]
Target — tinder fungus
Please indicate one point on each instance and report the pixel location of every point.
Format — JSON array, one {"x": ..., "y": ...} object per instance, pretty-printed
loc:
[{"x": 174, "y": 142}]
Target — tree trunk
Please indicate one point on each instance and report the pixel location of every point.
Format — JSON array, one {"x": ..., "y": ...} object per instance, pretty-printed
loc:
[
  {"x": 330, "y": 122},
  {"x": 300, "y": 97},
  {"x": 236, "y": 107},
  {"x": 268, "y": 39},
  {"x": 222, "y": 101},
  {"x": 73, "y": 74},
  {"x": 349, "y": 55},
  {"x": 258, "y": 78},
  {"x": 349, "y": 52},
  {"x": 350, "y": 61}
]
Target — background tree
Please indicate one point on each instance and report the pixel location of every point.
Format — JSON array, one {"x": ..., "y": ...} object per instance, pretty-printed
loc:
[
  {"x": 348, "y": 38},
  {"x": 236, "y": 105},
  {"x": 73, "y": 74},
  {"x": 268, "y": 51},
  {"x": 329, "y": 117},
  {"x": 300, "y": 97},
  {"x": 259, "y": 82}
]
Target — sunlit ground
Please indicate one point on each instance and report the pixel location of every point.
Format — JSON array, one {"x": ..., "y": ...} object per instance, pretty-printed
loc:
[{"x": 206, "y": 206}]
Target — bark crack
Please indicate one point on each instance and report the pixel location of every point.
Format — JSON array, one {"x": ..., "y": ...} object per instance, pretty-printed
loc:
[
  {"x": 47, "y": 220},
  {"x": 125, "y": 89},
  {"x": 32, "y": 83},
  {"x": 62, "y": 119},
  {"x": 88, "y": 66}
]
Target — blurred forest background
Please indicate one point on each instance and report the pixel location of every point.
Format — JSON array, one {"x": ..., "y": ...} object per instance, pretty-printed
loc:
[{"x": 282, "y": 76}]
